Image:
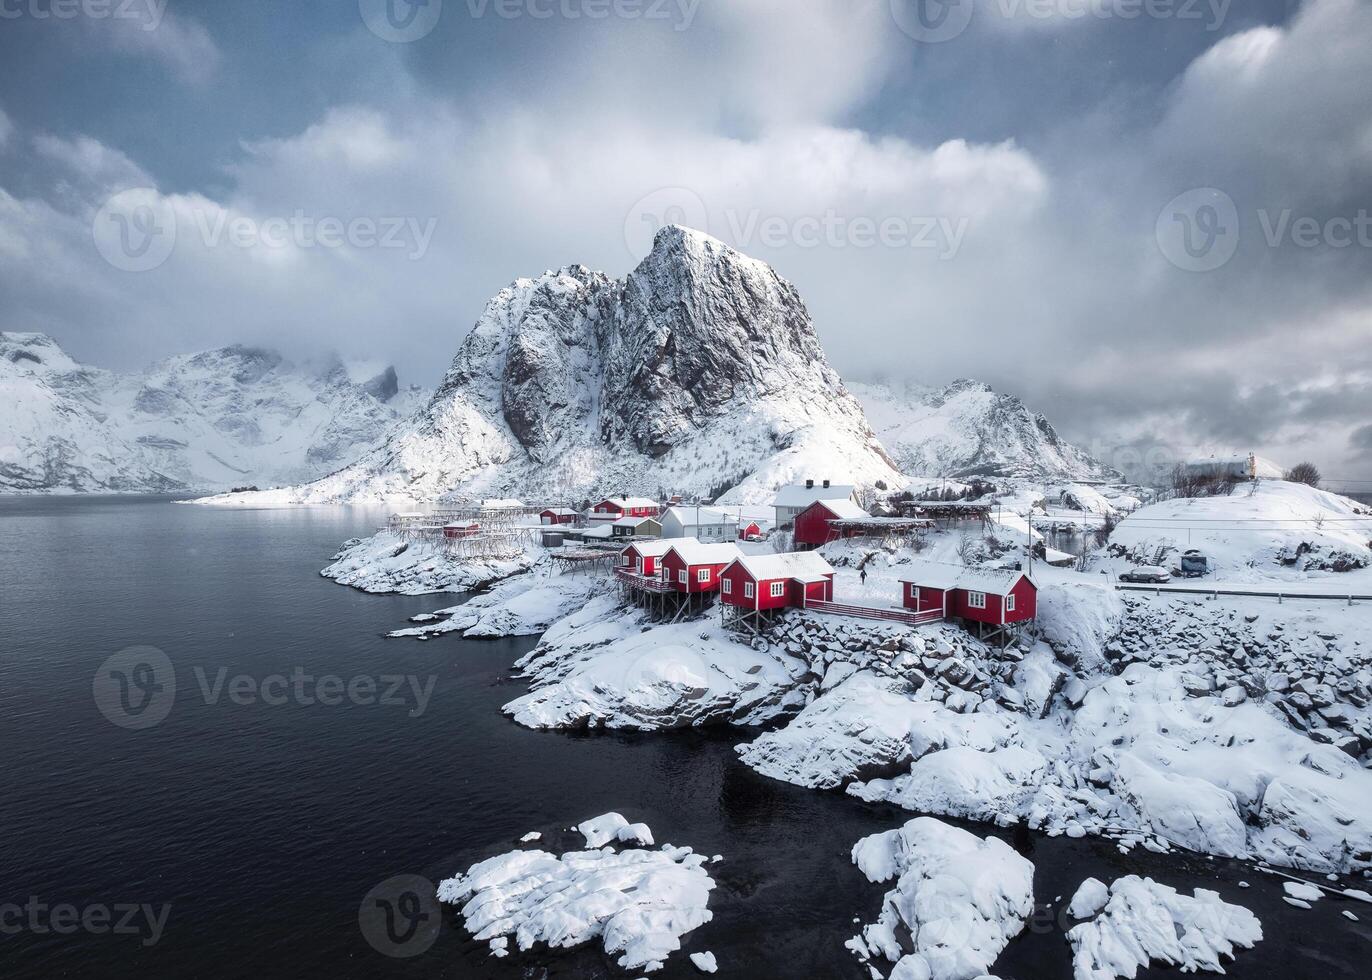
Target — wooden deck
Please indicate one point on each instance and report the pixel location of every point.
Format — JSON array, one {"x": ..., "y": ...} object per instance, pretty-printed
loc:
[{"x": 885, "y": 614}]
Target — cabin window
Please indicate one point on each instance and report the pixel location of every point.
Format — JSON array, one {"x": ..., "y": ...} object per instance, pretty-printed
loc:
[
  {"x": 726, "y": 586},
  {"x": 628, "y": 560},
  {"x": 778, "y": 589},
  {"x": 747, "y": 590},
  {"x": 703, "y": 575},
  {"x": 1010, "y": 602},
  {"x": 681, "y": 576},
  {"x": 914, "y": 592},
  {"x": 976, "y": 600}
]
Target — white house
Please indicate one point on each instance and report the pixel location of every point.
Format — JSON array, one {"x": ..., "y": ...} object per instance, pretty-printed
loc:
[
  {"x": 793, "y": 499},
  {"x": 705, "y": 524}
]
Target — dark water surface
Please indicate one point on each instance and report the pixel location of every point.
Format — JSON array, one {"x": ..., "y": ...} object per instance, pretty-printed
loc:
[{"x": 260, "y": 827}]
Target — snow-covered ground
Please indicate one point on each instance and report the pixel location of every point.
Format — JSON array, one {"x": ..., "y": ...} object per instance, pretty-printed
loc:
[
  {"x": 1269, "y": 531},
  {"x": 639, "y": 902}
]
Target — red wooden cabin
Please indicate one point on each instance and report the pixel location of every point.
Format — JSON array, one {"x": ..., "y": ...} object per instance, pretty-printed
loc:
[
  {"x": 644, "y": 557},
  {"x": 747, "y": 529},
  {"x": 694, "y": 567},
  {"x": 469, "y": 530},
  {"x": 813, "y": 527},
  {"x": 996, "y": 597},
  {"x": 558, "y": 515},
  {"x": 613, "y": 508},
  {"x": 777, "y": 581}
]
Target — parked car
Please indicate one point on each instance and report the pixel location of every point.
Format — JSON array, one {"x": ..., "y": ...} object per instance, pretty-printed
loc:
[{"x": 1147, "y": 575}]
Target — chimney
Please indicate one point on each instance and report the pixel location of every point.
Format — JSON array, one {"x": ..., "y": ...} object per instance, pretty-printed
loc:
[
  {"x": 809, "y": 484},
  {"x": 826, "y": 484}
]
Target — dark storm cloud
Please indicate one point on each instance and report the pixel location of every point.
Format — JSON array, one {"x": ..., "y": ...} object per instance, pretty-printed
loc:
[{"x": 1002, "y": 204}]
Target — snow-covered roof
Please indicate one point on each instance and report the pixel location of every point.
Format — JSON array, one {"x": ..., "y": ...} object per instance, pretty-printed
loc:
[
  {"x": 844, "y": 509},
  {"x": 560, "y": 511},
  {"x": 502, "y": 503},
  {"x": 693, "y": 516},
  {"x": 692, "y": 552},
  {"x": 941, "y": 575},
  {"x": 623, "y": 503},
  {"x": 631, "y": 521},
  {"x": 603, "y": 531},
  {"x": 804, "y": 566},
  {"x": 799, "y": 495},
  {"x": 656, "y": 547}
]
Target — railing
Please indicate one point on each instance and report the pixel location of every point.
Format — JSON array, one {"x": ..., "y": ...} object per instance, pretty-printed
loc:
[
  {"x": 1254, "y": 593},
  {"x": 645, "y": 582},
  {"x": 875, "y": 612}
]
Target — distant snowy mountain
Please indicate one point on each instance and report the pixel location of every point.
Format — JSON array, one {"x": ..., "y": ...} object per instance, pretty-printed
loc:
[
  {"x": 699, "y": 372},
  {"x": 209, "y": 421},
  {"x": 966, "y": 430}
]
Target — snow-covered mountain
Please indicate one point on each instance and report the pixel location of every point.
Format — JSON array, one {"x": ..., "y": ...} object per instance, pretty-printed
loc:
[
  {"x": 700, "y": 371},
  {"x": 966, "y": 430},
  {"x": 208, "y": 421}
]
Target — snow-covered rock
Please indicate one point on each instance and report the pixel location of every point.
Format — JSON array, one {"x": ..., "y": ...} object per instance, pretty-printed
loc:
[
  {"x": 1145, "y": 922},
  {"x": 959, "y": 898},
  {"x": 638, "y": 902},
  {"x": 386, "y": 562},
  {"x": 966, "y": 430},
  {"x": 700, "y": 371},
  {"x": 1089, "y": 900},
  {"x": 607, "y": 672},
  {"x": 235, "y": 416}
]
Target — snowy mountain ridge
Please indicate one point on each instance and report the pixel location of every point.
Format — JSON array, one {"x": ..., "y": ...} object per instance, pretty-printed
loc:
[
  {"x": 965, "y": 430},
  {"x": 700, "y": 371},
  {"x": 193, "y": 422}
]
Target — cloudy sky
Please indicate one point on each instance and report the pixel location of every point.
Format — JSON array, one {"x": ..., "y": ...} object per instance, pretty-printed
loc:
[{"x": 1148, "y": 218}]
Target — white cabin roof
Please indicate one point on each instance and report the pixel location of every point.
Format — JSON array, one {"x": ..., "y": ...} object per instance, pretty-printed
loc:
[
  {"x": 799, "y": 495},
  {"x": 656, "y": 547},
  {"x": 692, "y": 516},
  {"x": 941, "y": 575},
  {"x": 632, "y": 521},
  {"x": 692, "y": 552},
  {"x": 804, "y": 566},
  {"x": 624, "y": 503},
  {"x": 844, "y": 509}
]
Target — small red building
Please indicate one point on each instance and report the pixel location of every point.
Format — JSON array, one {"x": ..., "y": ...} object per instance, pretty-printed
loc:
[
  {"x": 694, "y": 567},
  {"x": 466, "y": 530},
  {"x": 996, "y": 597},
  {"x": 644, "y": 557},
  {"x": 748, "y": 529},
  {"x": 558, "y": 515},
  {"x": 760, "y": 582},
  {"x": 613, "y": 508},
  {"x": 813, "y": 525}
]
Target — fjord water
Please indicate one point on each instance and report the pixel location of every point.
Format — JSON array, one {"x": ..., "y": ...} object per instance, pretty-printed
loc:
[{"x": 258, "y": 825}]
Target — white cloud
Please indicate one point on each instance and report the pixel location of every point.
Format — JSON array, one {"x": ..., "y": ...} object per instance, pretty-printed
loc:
[
  {"x": 6, "y": 128},
  {"x": 153, "y": 30}
]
